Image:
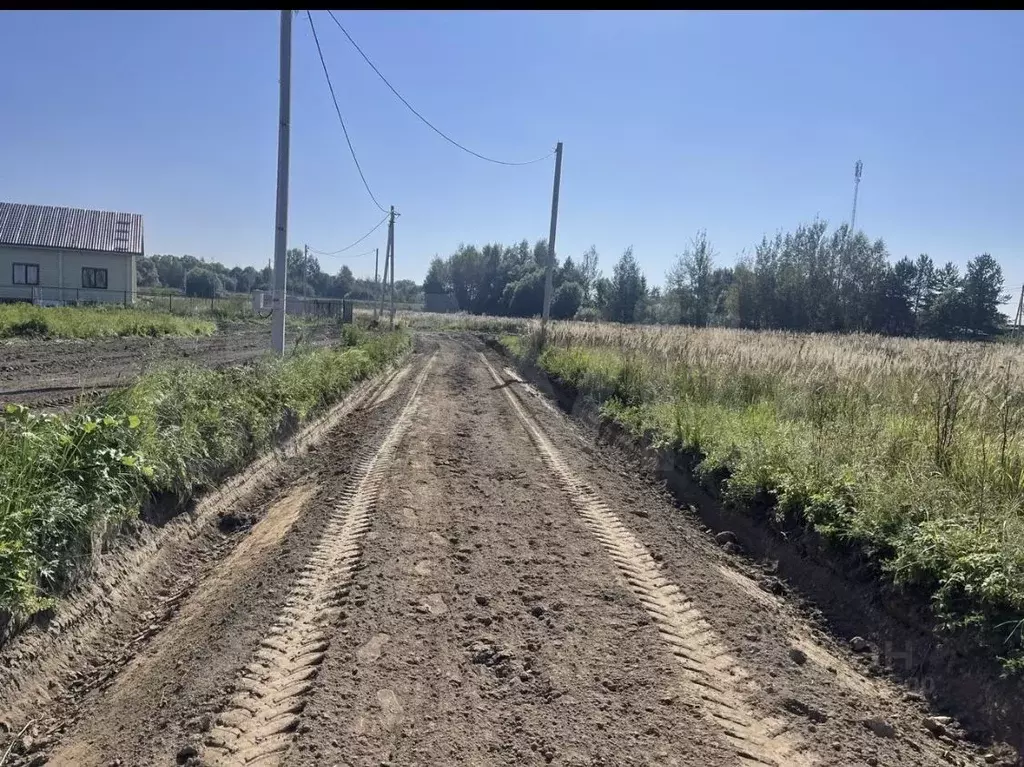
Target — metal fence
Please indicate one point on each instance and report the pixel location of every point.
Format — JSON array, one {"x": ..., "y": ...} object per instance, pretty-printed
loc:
[{"x": 226, "y": 305}]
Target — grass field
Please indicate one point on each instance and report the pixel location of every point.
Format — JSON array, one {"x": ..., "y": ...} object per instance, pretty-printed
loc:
[
  {"x": 24, "y": 319},
  {"x": 912, "y": 450},
  {"x": 63, "y": 478},
  {"x": 416, "y": 320}
]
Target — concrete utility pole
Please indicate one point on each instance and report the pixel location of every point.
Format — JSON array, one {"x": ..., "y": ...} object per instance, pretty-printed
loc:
[
  {"x": 549, "y": 276},
  {"x": 305, "y": 274},
  {"x": 281, "y": 219},
  {"x": 391, "y": 238},
  {"x": 388, "y": 259},
  {"x": 376, "y": 280},
  {"x": 1019, "y": 322}
]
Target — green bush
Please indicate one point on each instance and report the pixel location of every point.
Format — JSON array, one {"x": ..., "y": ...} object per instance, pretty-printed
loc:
[
  {"x": 174, "y": 432},
  {"x": 95, "y": 322},
  {"x": 909, "y": 451},
  {"x": 59, "y": 477}
]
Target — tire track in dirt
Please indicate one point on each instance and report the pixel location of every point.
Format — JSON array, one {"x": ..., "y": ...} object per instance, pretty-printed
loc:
[
  {"x": 839, "y": 700},
  {"x": 256, "y": 726},
  {"x": 391, "y": 389},
  {"x": 93, "y": 680},
  {"x": 718, "y": 680},
  {"x": 485, "y": 626}
]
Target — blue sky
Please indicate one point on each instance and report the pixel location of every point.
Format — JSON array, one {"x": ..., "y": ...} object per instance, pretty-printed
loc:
[{"x": 740, "y": 123}]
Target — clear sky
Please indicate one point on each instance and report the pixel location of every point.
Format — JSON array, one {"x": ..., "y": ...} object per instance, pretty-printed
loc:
[{"x": 740, "y": 123}]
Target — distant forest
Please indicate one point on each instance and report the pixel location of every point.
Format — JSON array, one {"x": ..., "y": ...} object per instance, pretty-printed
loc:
[
  {"x": 805, "y": 280},
  {"x": 211, "y": 278},
  {"x": 809, "y": 279}
]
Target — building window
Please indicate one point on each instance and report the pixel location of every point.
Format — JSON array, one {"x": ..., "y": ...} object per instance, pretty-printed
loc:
[
  {"x": 25, "y": 274},
  {"x": 94, "y": 278}
]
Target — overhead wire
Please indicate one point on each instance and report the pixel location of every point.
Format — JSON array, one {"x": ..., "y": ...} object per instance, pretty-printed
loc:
[
  {"x": 412, "y": 109},
  {"x": 337, "y": 109},
  {"x": 349, "y": 247}
]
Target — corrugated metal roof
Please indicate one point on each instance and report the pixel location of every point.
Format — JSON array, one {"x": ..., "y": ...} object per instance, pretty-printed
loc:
[{"x": 48, "y": 226}]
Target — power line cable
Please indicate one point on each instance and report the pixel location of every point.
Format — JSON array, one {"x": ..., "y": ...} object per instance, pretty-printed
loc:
[
  {"x": 349, "y": 247},
  {"x": 425, "y": 121},
  {"x": 357, "y": 255},
  {"x": 337, "y": 109}
]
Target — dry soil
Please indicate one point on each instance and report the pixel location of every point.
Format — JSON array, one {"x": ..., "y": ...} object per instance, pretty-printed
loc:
[{"x": 456, "y": 575}]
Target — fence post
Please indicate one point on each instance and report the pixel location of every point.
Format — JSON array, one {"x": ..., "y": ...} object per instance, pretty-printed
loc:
[{"x": 170, "y": 302}]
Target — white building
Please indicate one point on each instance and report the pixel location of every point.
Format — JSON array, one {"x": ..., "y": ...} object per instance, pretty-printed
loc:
[{"x": 68, "y": 255}]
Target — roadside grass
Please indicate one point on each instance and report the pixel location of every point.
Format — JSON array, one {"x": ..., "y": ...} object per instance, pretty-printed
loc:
[
  {"x": 910, "y": 450},
  {"x": 95, "y": 322},
  {"x": 483, "y": 323},
  {"x": 66, "y": 479}
]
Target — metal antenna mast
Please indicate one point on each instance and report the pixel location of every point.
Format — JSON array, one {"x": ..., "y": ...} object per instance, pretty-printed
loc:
[{"x": 858, "y": 168}]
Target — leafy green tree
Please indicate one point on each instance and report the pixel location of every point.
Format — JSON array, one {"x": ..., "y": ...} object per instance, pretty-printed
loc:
[
  {"x": 924, "y": 287},
  {"x": 894, "y": 311},
  {"x": 525, "y": 296},
  {"x": 406, "y": 291},
  {"x": 589, "y": 272},
  {"x": 945, "y": 317},
  {"x": 628, "y": 289},
  {"x": 567, "y": 301},
  {"x": 438, "y": 279},
  {"x": 806, "y": 279},
  {"x": 203, "y": 283},
  {"x": 344, "y": 282},
  {"x": 983, "y": 294},
  {"x": 741, "y": 302},
  {"x": 146, "y": 273},
  {"x": 570, "y": 272},
  {"x": 170, "y": 270},
  {"x": 690, "y": 282},
  {"x": 603, "y": 295}
]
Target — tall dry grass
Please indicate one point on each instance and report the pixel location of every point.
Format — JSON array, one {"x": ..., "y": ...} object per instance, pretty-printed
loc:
[{"x": 912, "y": 450}]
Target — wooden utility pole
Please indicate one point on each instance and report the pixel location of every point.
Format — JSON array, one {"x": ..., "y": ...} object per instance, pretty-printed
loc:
[
  {"x": 281, "y": 219},
  {"x": 549, "y": 276}
]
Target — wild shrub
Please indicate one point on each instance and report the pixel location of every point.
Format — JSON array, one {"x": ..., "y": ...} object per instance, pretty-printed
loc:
[
  {"x": 65, "y": 478},
  {"x": 911, "y": 449}
]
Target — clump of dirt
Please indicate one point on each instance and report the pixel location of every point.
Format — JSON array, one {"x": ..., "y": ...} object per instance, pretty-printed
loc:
[
  {"x": 234, "y": 520},
  {"x": 487, "y": 652}
]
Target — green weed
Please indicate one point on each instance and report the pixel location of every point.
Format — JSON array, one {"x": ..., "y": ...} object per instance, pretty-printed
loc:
[
  {"x": 911, "y": 450},
  {"x": 95, "y": 322},
  {"x": 66, "y": 478}
]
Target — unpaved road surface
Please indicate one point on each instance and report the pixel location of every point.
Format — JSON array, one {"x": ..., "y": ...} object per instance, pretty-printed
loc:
[
  {"x": 454, "y": 575},
  {"x": 56, "y": 373}
]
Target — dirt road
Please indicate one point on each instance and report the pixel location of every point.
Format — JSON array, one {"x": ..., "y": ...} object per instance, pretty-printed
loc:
[
  {"x": 56, "y": 373},
  {"x": 455, "y": 575}
]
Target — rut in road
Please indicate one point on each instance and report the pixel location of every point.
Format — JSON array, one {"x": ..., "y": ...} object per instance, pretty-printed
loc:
[
  {"x": 256, "y": 727},
  {"x": 717, "y": 677},
  {"x": 485, "y": 626},
  {"x": 476, "y": 598}
]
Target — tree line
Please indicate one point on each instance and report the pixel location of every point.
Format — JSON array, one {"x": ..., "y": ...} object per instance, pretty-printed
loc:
[
  {"x": 197, "y": 277},
  {"x": 808, "y": 279}
]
